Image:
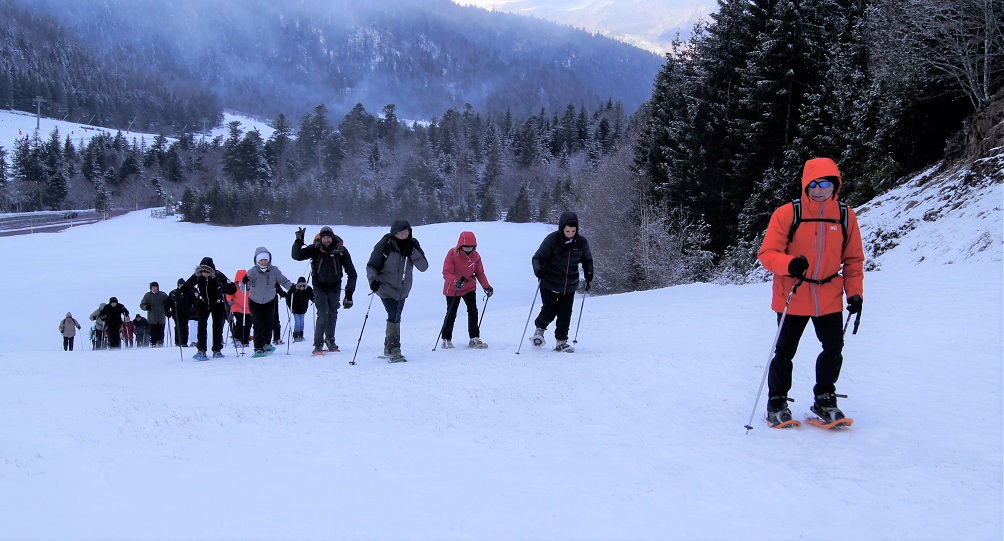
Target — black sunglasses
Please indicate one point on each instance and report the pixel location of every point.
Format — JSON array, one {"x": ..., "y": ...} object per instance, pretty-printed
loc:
[{"x": 821, "y": 184}]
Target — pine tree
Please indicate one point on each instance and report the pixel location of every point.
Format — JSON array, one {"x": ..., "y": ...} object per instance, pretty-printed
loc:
[{"x": 521, "y": 210}]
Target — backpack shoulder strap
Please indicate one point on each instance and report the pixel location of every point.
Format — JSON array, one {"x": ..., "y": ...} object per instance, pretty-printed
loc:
[{"x": 797, "y": 219}]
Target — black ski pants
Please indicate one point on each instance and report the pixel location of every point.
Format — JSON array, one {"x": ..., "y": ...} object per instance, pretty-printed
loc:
[
  {"x": 453, "y": 306},
  {"x": 553, "y": 304},
  {"x": 218, "y": 310},
  {"x": 67, "y": 343},
  {"x": 242, "y": 327},
  {"x": 180, "y": 330},
  {"x": 157, "y": 334},
  {"x": 263, "y": 316},
  {"x": 829, "y": 331}
]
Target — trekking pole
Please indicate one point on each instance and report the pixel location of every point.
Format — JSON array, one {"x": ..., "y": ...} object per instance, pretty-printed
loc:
[
  {"x": 483, "y": 310},
  {"x": 181, "y": 353},
  {"x": 582, "y": 305},
  {"x": 452, "y": 307},
  {"x": 777, "y": 335},
  {"x": 365, "y": 318},
  {"x": 846, "y": 323},
  {"x": 288, "y": 338},
  {"x": 535, "y": 293},
  {"x": 857, "y": 321}
]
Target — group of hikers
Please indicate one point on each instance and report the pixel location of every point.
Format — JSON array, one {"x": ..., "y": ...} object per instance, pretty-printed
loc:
[
  {"x": 248, "y": 306},
  {"x": 824, "y": 259}
]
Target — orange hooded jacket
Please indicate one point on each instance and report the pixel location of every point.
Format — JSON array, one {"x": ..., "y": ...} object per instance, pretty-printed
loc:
[
  {"x": 822, "y": 243},
  {"x": 459, "y": 263},
  {"x": 239, "y": 298}
]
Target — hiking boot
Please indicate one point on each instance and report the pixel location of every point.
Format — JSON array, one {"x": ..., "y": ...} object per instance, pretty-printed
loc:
[
  {"x": 268, "y": 347},
  {"x": 332, "y": 346},
  {"x": 447, "y": 344},
  {"x": 538, "y": 337},
  {"x": 317, "y": 351},
  {"x": 279, "y": 342},
  {"x": 218, "y": 355},
  {"x": 476, "y": 343},
  {"x": 826, "y": 408},
  {"x": 777, "y": 410},
  {"x": 563, "y": 345}
]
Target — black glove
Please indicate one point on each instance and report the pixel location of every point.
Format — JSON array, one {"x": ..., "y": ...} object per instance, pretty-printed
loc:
[
  {"x": 300, "y": 234},
  {"x": 489, "y": 291},
  {"x": 798, "y": 266},
  {"x": 374, "y": 285},
  {"x": 347, "y": 302},
  {"x": 587, "y": 285},
  {"x": 854, "y": 304},
  {"x": 416, "y": 246},
  {"x": 245, "y": 280},
  {"x": 460, "y": 282},
  {"x": 540, "y": 273}
]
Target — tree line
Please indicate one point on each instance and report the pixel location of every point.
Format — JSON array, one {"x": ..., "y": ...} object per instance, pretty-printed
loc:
[{"x": 764, "y": 85}]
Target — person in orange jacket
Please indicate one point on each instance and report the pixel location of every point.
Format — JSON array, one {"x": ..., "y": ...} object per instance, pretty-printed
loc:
[
  {"x": 460, "y": 270},
  {"x": 239, "y": 308},
  {"x": 821, "y": 259}
]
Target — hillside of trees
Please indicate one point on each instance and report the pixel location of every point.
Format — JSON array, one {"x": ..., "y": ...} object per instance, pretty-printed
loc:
[
  {"x": 878, "y": 85},
  {"x": 40, "y": 59},
  {"x": 264, "y": 57}
]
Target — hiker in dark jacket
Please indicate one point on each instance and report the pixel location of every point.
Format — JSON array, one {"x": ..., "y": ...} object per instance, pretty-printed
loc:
[
  {"x": 113, "y": 312},
  {"x": 158, "y": 309},
  {"x": 556, "y": 265},
  {"x": 182, "y": 305},
  {"x": 68, "y": 328},
  {"x": 213, "y": 287},
  {"x": 389, "y": 271},
  {"x": 298, "y": 301},
  {"x": 329, "y": 261}
]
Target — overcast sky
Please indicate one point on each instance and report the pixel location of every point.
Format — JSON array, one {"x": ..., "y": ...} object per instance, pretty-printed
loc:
[{"x": 649, "y": 24}]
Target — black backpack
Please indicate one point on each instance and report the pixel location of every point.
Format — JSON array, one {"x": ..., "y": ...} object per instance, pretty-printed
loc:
[{"x": 798, "y": 219}]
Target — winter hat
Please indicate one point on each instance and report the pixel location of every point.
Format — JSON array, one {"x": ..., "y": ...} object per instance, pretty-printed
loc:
[
  {"x": 400, "y": 225},
  {"x": 301, "y": 280},
  {"x": 181, "y": 281},
  {"x": 206, "y": 264},
  {"x": 262, "y": 253},
  {"x": 154, "y": 284},
  {"x": 327, "y": 231},
  {"x": 113, "y": 299}
]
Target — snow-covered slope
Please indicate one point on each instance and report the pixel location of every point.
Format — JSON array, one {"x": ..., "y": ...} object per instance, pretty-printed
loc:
[
  {"x": 16, "y": 124},
  {"x": 950, "y": 216},
  {"x": 637, "y": 435}
]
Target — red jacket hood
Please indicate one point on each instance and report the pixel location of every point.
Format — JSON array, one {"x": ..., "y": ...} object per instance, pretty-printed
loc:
[
  {"x": 467, "y": 238},
  {"x": 819, "y": 168}
]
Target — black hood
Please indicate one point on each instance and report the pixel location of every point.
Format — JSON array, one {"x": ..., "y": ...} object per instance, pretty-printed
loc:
[
  {"x": 400, "y": 225},
  {"x": 568, "y": 218}
]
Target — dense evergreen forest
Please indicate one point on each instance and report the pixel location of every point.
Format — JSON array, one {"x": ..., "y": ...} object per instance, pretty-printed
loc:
[
  {"x": 425, "y": 56},
  {"x": 678, "y": 190}
]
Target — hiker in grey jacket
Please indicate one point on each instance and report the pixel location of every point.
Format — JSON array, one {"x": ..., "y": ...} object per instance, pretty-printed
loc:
[
  {"x": 158, "y": 310},
  {"x": 389, "y": 272},
  {"x": 68, "y": 328},
  {"x": 262, "y": 300}
]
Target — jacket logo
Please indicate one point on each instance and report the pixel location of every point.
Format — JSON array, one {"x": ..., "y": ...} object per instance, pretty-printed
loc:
[{"x": 833, "y": 228}]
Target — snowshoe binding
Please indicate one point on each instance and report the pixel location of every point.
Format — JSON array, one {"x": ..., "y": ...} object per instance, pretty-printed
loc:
[
  {"x": 476, "y": 343},
  {"x": 564, "y": 346},
  {"x": 828, "y": 415},
  {"x": 538, "y": 337},
  {"x": 200, "y": 356},
  {"x": 778, "y": 414}
]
